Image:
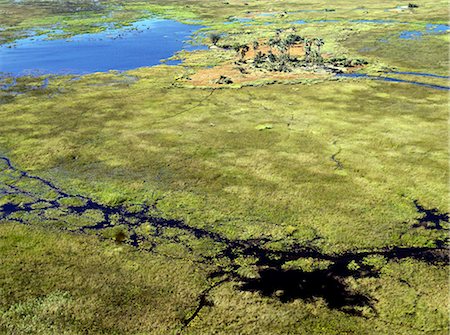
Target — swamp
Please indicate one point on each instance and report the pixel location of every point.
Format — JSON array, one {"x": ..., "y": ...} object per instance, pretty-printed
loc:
[{"x": 224, "y": 167}]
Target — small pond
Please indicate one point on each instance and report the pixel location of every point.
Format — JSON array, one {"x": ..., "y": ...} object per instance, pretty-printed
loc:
[
  {"x": 145, "y": 43},
  {"x": 430, "y": 29}
]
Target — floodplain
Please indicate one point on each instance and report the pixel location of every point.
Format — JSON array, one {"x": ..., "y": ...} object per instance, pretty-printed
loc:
[{"x": 273, "y": 168}]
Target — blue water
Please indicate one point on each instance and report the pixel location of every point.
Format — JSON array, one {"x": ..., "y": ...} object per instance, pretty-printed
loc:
[
  {"x": 395, "y": 80},
  {"x": 327, "y": 21},
  {"x": 374, "y": 21},
  {"x": 352, "y": 21},
  {"x": 312, "y": 11},
  {"x": 268, "y": 14},
  {"x": 411, "y": 35},
  {"x": 145, "y": 43},
  {"x": 430, "y": 29},
  {"x": 239, "y": 20},
  {"x": 420, "y": 74},
  {"x": 299, "y": 22},
  {"x": 437, "y": 28}
]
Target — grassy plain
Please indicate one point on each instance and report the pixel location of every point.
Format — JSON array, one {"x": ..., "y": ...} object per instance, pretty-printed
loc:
[
  {"x": 331, "y": 164},
  {"x": 120, "y": 142},
  {"x": 54, "y": 283}
]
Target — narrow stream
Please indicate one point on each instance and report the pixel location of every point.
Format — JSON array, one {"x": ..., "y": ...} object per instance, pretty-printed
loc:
[{"x": 398, "y": 80}]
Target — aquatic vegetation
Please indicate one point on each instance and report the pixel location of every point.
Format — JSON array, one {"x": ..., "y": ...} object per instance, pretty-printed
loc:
[
  {"x": 295, "y": 170},
  {"x": 269, "y": 277}
]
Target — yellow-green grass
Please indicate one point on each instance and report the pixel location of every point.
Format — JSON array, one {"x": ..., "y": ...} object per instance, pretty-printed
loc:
[
  {"x": 410, "y": 299},
  {"x": 204, "y": 154},
  {"x": 29, "y": 14},
  {"x": 335, "y": 165},
  {"x": 54, "y": 283},
  {"x": 428, "y": 53}
]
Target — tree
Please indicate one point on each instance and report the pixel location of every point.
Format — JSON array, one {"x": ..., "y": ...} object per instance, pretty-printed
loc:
[
  {"x": 271, "y": 57},
  {"x": 244, "y": 50},
  {"x": 308, "y": 50},
  {"x": 214, "y": 38},
  {"x": 283, "y": 63},
  {"x": 282, "y": 47},
  {"x": 316, "y": 57},
  {"x": 318, "y": 42},
  {"x": 273, "y": 42},
  {"x": 259, "y": 59},
  {"x": 237, "y": 48},
  {"x": 280, "y": 60},
  {"x": 291, "y": 40}
]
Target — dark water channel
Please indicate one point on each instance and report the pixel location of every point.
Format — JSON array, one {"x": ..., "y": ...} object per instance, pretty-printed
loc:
[
  {"x": 33, "y": 200},
  {"x": 385, "y": 77}
]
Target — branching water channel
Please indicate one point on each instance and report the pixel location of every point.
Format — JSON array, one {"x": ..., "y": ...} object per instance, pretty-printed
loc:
[{"x": 32, "y": 200}]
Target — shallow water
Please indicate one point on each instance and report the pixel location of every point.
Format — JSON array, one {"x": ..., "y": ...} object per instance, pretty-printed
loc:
[
  {"x": 437, "y": 28},
  {"x": 398, "y": 80},
  {"x": 44, "y": 200},
  {"x": 239, "y": 20},
  {"x": 421, "y": 74},
  {"x": 430, "y": 29},
  {"x": 268, "y": 14},
  {"x": 145, "y": 43},
  {"x": 374, "y": 21},
  {"x": 351, "y": 21},
  {"x": 410, "y": 35}
]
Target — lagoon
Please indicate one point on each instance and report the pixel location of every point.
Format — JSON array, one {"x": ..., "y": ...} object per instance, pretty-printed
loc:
[{"x": 144, "y": 43}]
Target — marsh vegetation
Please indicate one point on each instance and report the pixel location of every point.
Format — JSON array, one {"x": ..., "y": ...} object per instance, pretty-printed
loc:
[{"x": 289, "y": 179}]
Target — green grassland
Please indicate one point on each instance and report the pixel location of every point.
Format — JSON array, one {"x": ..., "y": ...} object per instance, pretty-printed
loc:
[
  {"x": 212, "y": 167},
  {"x": 58, "y": 284},
  {"x": 332, "y": 165}
]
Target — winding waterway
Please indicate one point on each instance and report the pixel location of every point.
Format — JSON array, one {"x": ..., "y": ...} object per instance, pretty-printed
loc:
[
  {"x": 385, "y": 77},
  {"x": 37, "y": 201}
]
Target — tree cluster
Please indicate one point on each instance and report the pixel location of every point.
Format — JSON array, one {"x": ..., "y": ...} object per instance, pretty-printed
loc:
[{"x": 279, "y": 57}]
